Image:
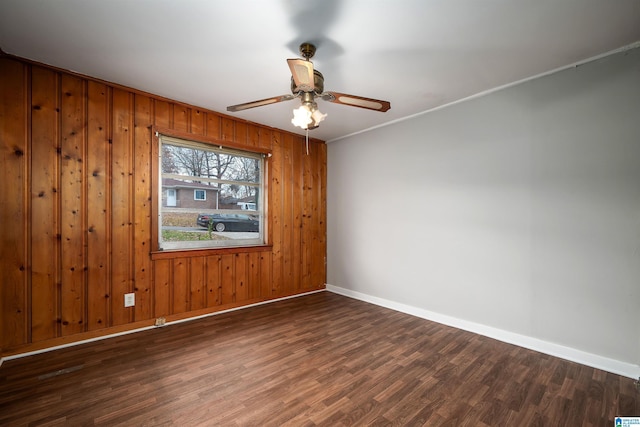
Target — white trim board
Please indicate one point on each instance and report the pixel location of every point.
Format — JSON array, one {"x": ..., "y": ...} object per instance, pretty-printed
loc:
[
  {"x": 593, "y": 360},
  {"x": 188, "y": 319}
]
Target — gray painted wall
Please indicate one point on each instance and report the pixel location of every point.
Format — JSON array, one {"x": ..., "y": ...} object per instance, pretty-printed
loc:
[{"x": 518, "y": 210}]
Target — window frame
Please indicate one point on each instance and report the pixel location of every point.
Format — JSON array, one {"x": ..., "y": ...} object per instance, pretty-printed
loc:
[
  {"x": 242, "y": 245},
  {"x": 195, "y": 195}
]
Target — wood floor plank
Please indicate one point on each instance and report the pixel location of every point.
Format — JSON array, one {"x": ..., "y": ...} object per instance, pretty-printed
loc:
[{"x": 316, "y": 360}]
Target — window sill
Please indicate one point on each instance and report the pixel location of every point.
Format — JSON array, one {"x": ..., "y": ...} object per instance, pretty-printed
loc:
[{"x": 191, "y": 253}]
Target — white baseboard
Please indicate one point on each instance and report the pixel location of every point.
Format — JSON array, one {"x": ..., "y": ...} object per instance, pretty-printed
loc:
[
  {"x": 593, "y": 360},
  {"x": 188, "y": 319}
]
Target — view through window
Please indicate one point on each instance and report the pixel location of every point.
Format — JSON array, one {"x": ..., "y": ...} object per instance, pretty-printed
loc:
[{"x": 210, "y": 196}]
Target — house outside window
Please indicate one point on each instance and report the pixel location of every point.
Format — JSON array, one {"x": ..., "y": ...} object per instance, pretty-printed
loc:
[{"x": 226, "y": 207}]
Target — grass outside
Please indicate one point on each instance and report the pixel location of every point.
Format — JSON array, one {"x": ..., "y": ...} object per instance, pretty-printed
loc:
[{"x": 188, "y": 236}]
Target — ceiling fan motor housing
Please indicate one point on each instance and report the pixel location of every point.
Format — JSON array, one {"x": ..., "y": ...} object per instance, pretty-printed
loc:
[
  {"x": 307, "y": 50},
  {"x": 318, "y": 83}
]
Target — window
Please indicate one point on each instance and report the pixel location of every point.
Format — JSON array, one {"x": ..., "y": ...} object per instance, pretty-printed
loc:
[{"x": 227, "y": 209}]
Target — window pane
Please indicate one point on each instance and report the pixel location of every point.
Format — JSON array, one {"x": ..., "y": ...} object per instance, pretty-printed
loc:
[
  {"x": 209, "y": 196},
  {"x": 193, "y": 162}
]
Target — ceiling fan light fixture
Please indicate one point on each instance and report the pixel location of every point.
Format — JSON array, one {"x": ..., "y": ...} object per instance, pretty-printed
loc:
[
  {"x": 317, "y": 116},
  {"x": 302, "y": 117},
  {"x": 307, "y": 116}
]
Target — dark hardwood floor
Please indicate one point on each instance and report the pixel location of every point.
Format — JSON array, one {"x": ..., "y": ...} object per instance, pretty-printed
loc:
[{"x": 320, "y": 359}]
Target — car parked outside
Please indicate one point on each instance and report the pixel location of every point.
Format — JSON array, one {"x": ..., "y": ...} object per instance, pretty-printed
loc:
[
  {"x": 247, "y": 206},
  {"x": 229, "y": 222}
]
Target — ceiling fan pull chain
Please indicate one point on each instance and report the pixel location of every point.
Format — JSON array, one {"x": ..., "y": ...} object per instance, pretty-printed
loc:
[{"x": 307, "y": 141}]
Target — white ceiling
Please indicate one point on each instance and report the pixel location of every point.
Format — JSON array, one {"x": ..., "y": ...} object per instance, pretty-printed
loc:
[{"x": 417, "y": 54}]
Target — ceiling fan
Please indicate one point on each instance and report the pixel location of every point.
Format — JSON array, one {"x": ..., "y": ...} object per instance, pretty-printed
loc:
[{"x": 308, "y": 84}]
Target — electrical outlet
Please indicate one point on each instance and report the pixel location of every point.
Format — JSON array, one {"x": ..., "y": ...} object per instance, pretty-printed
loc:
[
  {"x": 160, "y": 321},
  {"x": 129, "y": 300}
]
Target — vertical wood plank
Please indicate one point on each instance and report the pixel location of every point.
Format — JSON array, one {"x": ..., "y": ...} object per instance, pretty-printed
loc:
[
  {"x": 317, "y": 250},
  {"x": 313, "y": 205},
  {"x": 253, "y": 136},
  {"x": 266, "y": 281},
  {"x": 122, "y": 248},
  {"x": 241, "y": 135},
  {"x": 198, "y": 288},
  {"x": 213, "y": 280},
  {"x": 308, "y": 217},
  {"x": 227, "y": 284},
  {"x": 180, "y": 286},
  {"x": 270, "y": 208},
  {"x": 181, "y": 118},
  {"x": 13, "y": 161},
  {"x": 72, "y": 205},
  {"x": 287, "y": 215},
  {"x": 253, "y": 275},
  {"x": 276, "y": 215},
  {"x": 320, "y": 251},
  {"x": 163, "y": 114},
  {"x": 143, "y": 276},
  {"x": 240, "y": 277},
  {"x": 214, "y": 126},
  {"x": 228, "y": 128},
  {"x": 265, "y": 138},
  {"x": 162, "y": 285},
  {"x": 162, "y": 117},
  {"x": 44, "y": 204},
  {"x": 98, "y": 206},
  {"x": 297, "y": 169},
  {"x": 198, "y": 122}
]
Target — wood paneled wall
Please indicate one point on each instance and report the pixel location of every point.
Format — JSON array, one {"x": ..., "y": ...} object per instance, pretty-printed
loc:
[{"x": 76, "y": 212}]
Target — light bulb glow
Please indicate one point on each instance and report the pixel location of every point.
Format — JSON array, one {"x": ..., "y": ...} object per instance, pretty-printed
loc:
[
  {"x": 301, "y": 117},
  {"x": 317, "y": 117},
  {"x": 307, "y": 116}
]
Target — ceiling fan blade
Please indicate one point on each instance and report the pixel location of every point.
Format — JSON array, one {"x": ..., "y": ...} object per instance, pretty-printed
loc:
[
  {"x": 302, "y": 72},
  {"x": 260, "y": 103},
  {"x": 357, "y": 101}
]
